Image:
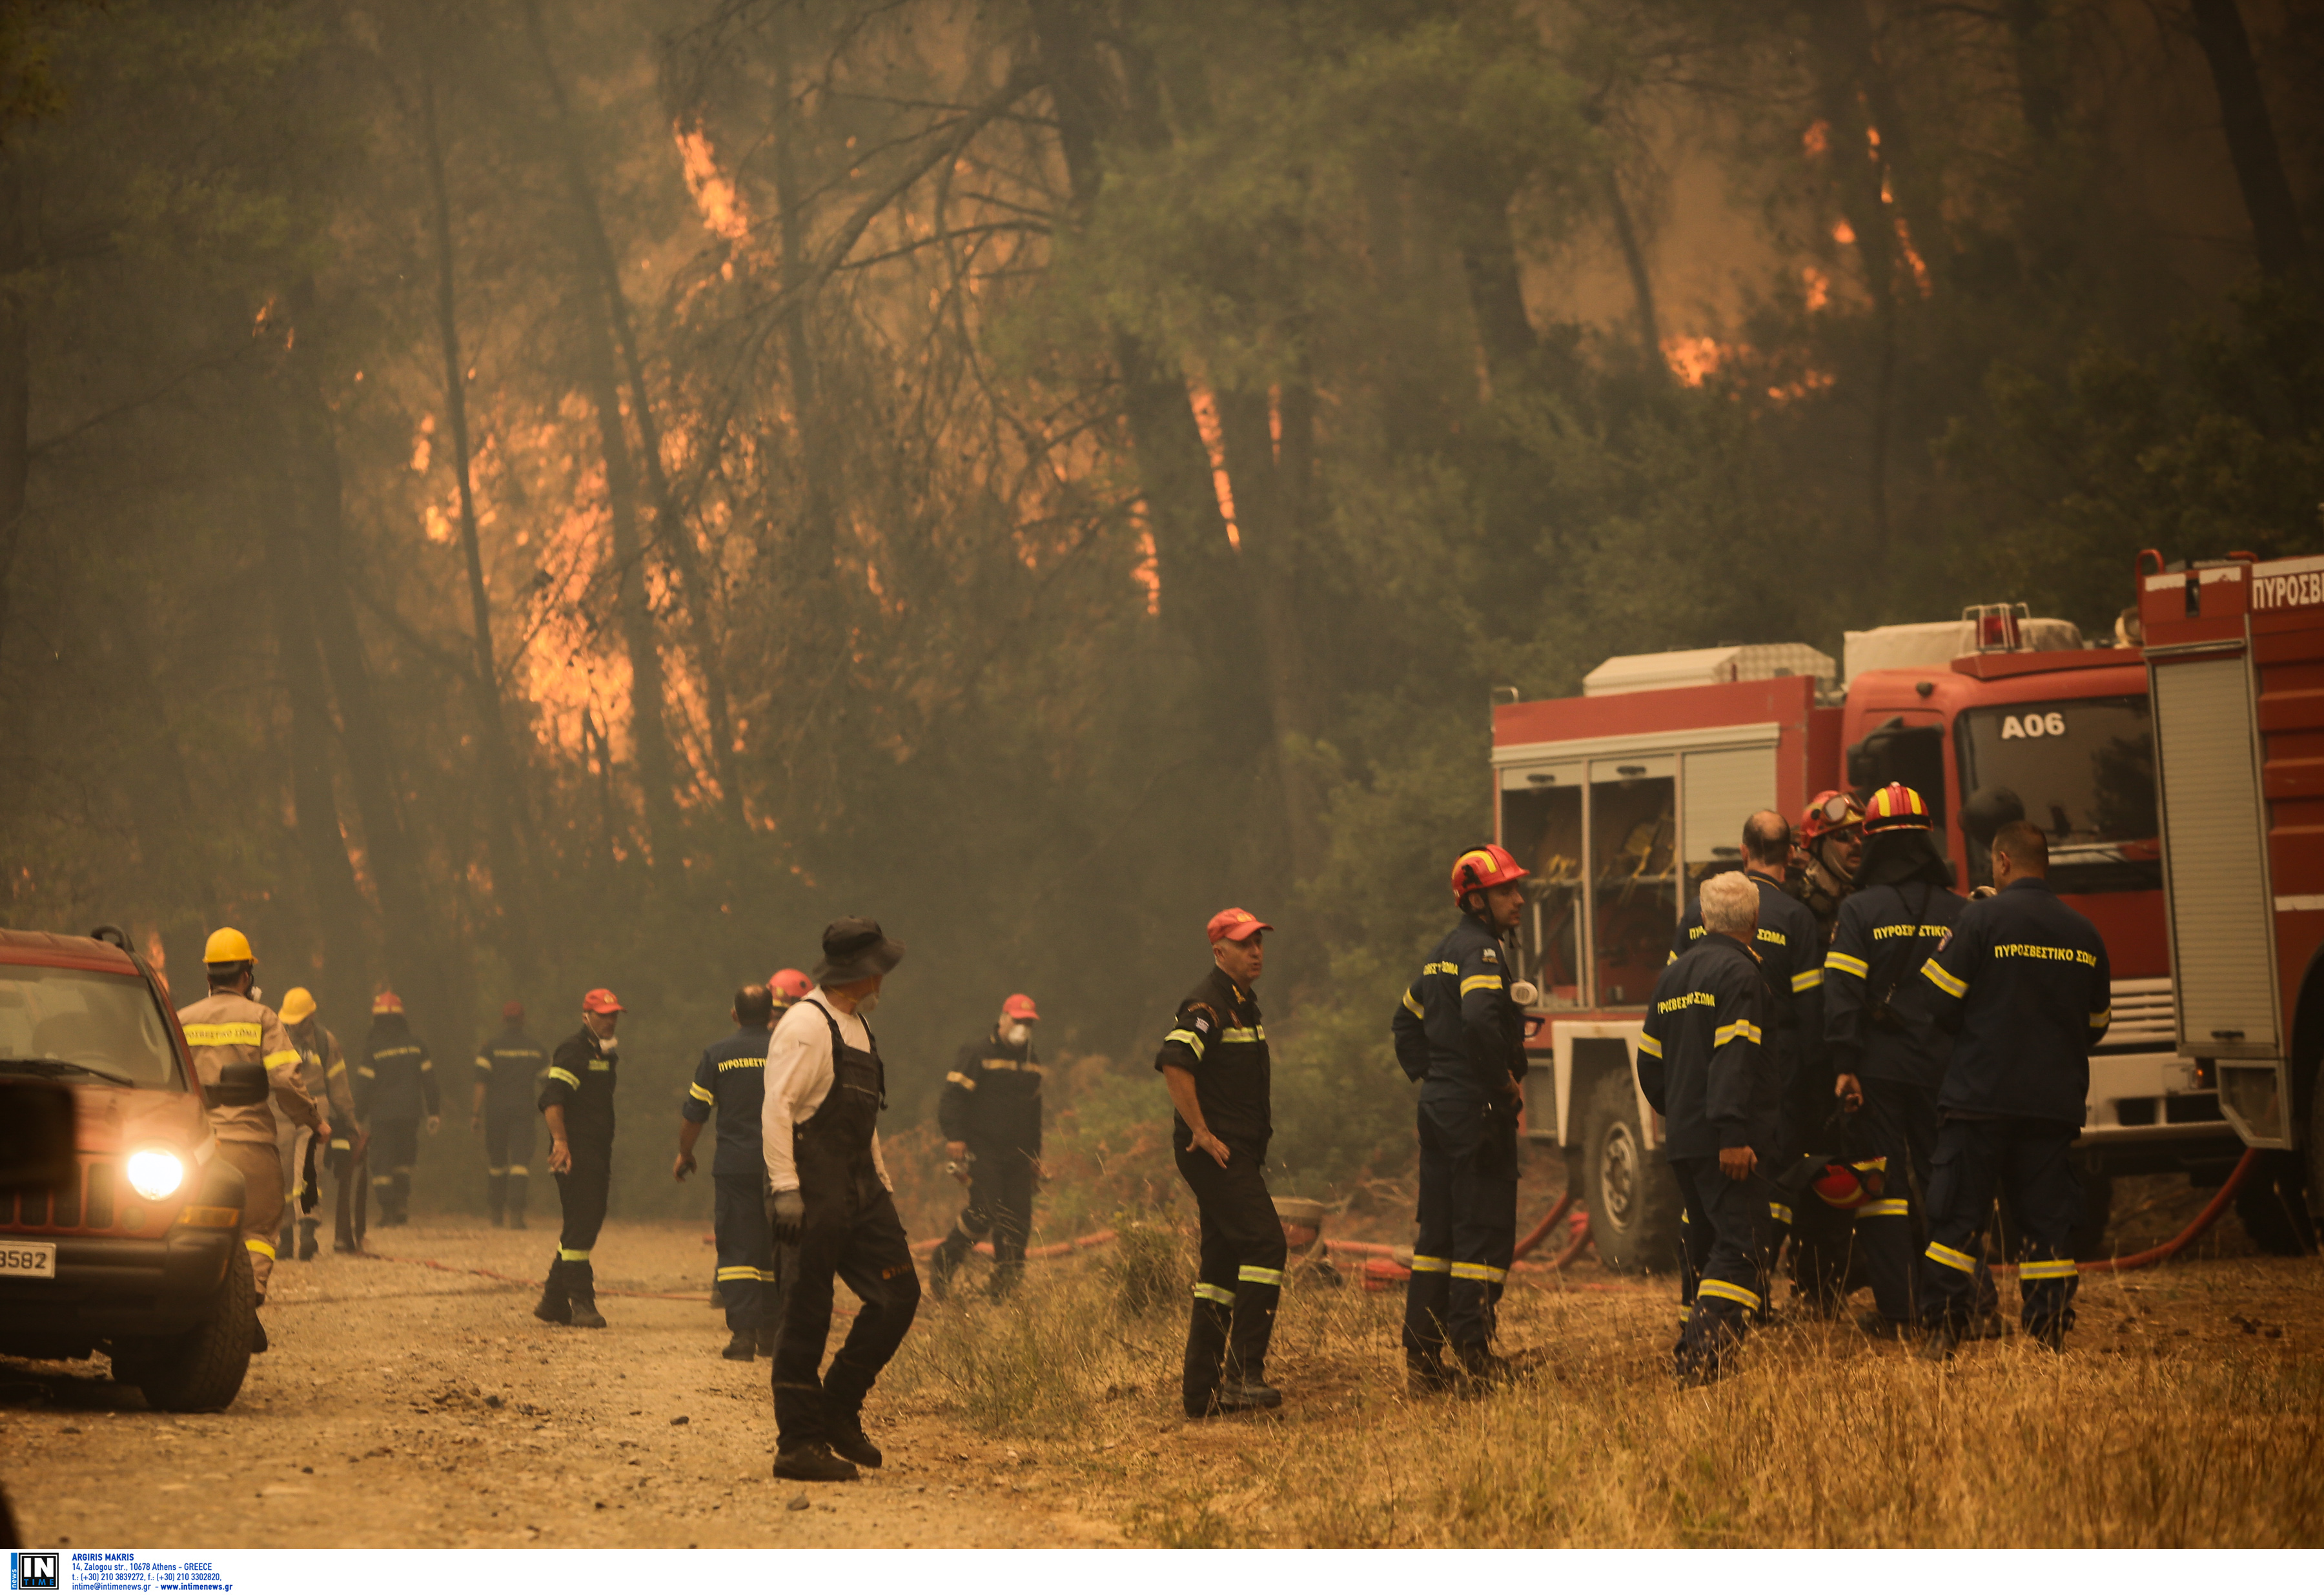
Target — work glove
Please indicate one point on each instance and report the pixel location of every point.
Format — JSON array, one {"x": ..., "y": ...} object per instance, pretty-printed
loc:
[{"x": 786, "y": 1215}]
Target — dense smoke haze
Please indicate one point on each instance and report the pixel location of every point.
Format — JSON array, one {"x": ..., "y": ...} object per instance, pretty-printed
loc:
[{"x": 502, "y": 498}]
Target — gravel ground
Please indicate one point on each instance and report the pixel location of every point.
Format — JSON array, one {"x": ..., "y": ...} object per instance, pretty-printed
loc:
[{"x": 408, "y": 1405}]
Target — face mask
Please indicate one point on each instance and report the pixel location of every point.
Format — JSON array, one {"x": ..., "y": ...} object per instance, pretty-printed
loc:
[
  {"x": 1016, "y": 1034},
  {"x": 867, "y": 1005}
]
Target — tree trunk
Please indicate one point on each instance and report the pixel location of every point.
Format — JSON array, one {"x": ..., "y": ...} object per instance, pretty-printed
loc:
[
  {"x": 500, "y": 798},
  {"x": 648, "y": 729},
  {"x": 2250, "y": 133},
  {"x": 670, "y": 531},
  {"x": 336, "y": 900},
  {"x": 415, "y": 945}
]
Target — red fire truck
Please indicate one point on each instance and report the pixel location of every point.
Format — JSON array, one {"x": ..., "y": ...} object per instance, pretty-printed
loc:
[{"x": 1621, "y": 800}]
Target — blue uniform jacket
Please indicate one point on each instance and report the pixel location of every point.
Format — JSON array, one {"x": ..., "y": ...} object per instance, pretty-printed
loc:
[
  {"x": 2024, "y": 982},
  {"x": 1885, "y": 933},
  {"x": 1703, "y": 1061},
  {"x": 1791, "y": 958},
  {"x": 1458, "y": 1030},
  {"x": 732, "y": 1078}
]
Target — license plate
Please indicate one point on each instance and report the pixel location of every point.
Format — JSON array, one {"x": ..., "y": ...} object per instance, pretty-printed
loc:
[{"x": 28, "y": 1260}]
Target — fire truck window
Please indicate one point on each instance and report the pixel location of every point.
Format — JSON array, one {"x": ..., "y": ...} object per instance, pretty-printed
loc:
[
  {"x": 2083, "y": 770},
  {"x": 1543, "y": 827},
  {"x": 1634, "y": 884}
]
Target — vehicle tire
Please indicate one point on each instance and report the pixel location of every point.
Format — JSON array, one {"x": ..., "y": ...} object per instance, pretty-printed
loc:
[
  {"x": 2273, "y": 1207},
  {"x": 202, "y": 1369},
  {"x": 1632, "y": 1197}
]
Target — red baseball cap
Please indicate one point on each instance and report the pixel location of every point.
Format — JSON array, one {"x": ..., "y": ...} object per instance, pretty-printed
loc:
[
  {"x": 1236, "y": 924},
  {"x": 387, "y": 1002},
  {"x": 601, "y": 1000},
  {"x": 789, "y": 984},
  {"x": 1020, "y": 1007}
]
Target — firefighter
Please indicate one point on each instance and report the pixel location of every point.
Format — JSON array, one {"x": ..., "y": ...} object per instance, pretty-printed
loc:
[
  {"x": 230, "y": 1030},
  {"x": 1214, "y": 1062},
  {"x": 508, "y": 1071},
  {"x": 2023, "y": 982},
  {"x": 323, "y": 1075},
  {"x": 732, "y": 1081},
  {"x": 348, "y": 1142},
  {"x": 1461, "y": 1033},
  {"x": 1704, "y": 1065},
  {"x": 826, "y": 1086},
  {"x": 1789, "y": 947},
  {"x": 576, "y": 1098},
  {"x": 395, "y": 1088},
  {"x": 1887, "y": 1056},
  {"x": 991, "y": 1118},
  {"x": 1829, "y": 845}
]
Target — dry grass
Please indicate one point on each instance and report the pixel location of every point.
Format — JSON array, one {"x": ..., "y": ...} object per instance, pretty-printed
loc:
[{"x": 2175, "y": 1419}]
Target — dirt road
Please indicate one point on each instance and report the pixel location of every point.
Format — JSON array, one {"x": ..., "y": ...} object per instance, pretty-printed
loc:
[{"x": 404, "y": 1406}]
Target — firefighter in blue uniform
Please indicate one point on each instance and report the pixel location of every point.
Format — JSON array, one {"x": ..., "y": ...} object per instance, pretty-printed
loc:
[
  {"x": 2024, "y": 983},
  {"x": 577, "y": 1103},
  {"x": 1790, "y": 946},
  {"x": 1704, "y": 1066},
  {"x": 1214, "y": 1062},
  {"x": 731, "y": 1080},
  {"x": 990, "y": 1115},
  {"x": 1887, "y": 1056},
  {"x": 1461, "y": 1033}
]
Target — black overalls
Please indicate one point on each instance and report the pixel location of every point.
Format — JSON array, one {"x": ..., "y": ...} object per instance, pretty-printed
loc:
[{"x": 851, "y": 1231}]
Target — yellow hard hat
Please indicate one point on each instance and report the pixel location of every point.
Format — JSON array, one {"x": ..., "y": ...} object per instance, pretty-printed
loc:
[
  {"x": 228, "y": 946},
  {"x": 298, "y": 1005}
]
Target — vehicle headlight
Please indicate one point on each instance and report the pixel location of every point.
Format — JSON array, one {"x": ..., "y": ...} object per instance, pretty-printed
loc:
[{"x": 154, "y": 1174}]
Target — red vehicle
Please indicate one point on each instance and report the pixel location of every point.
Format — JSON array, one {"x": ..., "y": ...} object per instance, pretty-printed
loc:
[
  {"x": 2235, "y": 649},
  {"x": 136, "y": 1253},
  {"x": 1622, "y": 800}
]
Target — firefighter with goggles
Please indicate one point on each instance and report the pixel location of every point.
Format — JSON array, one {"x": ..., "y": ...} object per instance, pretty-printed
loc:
[
  {"x": 1827, "y": 850},
  {"x": 1459, "y": 1032}
]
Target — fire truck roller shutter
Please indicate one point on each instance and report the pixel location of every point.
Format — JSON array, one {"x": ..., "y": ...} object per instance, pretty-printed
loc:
[
  {"x": 1719, "y": 789},
  {"x": 2223, "y": 951}
]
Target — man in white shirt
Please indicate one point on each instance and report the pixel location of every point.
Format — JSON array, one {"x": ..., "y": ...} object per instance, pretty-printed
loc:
[{"x": 826, "y": 1086}]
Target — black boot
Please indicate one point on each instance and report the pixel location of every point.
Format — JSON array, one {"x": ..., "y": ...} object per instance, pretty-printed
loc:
[
  {"x": 581, "y": 1286},
  {"x": 946, "y": 1260},
  {"x": 814, "y": 1464},
  {"x": 556, "y": 1305}
]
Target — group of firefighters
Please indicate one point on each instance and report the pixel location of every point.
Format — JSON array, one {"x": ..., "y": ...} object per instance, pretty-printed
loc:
[{"x": 1849, "y": 1058}]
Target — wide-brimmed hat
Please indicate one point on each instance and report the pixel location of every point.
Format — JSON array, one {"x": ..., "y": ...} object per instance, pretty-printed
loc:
[{"x": 855, "y": 950}]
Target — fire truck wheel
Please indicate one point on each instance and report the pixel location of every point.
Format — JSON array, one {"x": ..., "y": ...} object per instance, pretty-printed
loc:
[
  {"x": 2273, "y": 1207},
  {"x": 1633, "y": 1200}
]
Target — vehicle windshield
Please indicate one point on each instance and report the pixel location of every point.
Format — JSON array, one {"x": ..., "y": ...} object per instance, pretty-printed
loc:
[
  {"x": 81, "y": 1024},
  {"x": 2083, "y": 770}
]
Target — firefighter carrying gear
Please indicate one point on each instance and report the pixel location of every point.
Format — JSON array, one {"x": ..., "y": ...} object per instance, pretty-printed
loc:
[
  {"x": 395, "y": 1087},
  {"x": 509, "y": 1068},
  {"x": 580, "y": 1081},
  {"x": 1460, "y": 1033},
  {"x": 1703, "y": 1065},
  {"x": 2025, "y": 983},
  {"x": 824, "y": 1092},
  {"x": 991, "y": 1103},
  {"x": 227, "y": 1029},
  {"x": 731, "y": 1082},
  {"x": 1218, "y": 1038}
]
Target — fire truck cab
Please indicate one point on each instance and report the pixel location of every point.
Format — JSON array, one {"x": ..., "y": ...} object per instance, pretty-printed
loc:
[{"x": 1622, "y": 800}]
